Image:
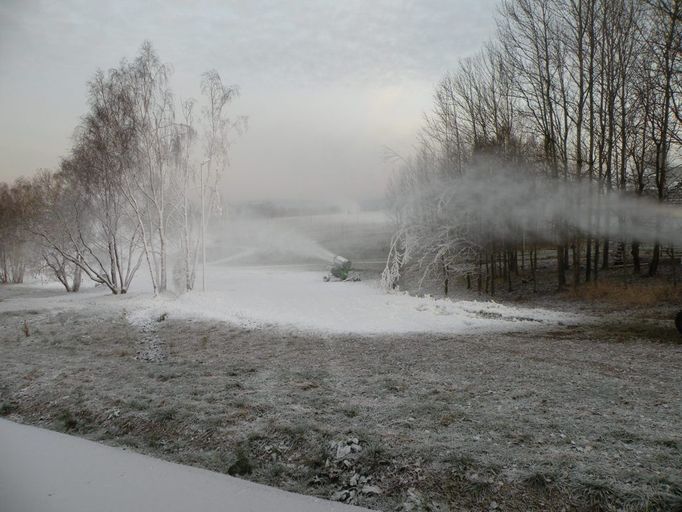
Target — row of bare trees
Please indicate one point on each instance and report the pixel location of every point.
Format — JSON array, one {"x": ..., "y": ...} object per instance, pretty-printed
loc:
[
  {"x": 136, "y": 189},
  {"x": 13, "y": 239},
  {"x": 573, "y": 91}
]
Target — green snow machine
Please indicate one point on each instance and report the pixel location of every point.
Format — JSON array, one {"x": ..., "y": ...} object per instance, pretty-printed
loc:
[{"x": 340, "y": 267}]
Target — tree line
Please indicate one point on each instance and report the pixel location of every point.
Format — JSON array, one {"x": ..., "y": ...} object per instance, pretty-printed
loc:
[
  {"x": 136, "y": 189},
  {"x": 569, "y": 91}
]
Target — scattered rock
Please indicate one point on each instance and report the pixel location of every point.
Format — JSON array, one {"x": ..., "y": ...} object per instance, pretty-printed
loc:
[
  {"x": 371, "y": 490},
  {"x": 414, "y": 502},
  {"x": 345, "y": 495},
  {"x": 342, "y": 451}
]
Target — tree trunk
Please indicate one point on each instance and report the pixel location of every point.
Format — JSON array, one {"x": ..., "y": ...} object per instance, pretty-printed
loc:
[
  {"x": 637, "y": 264},
  {"x": 596, "y": 260},
  {"x": 492, "y": 274},
  {"x": 561, "y": 266},
  {"x": 77, "y": 277},
  {"x": 576, "y": 262},
  {"x": 588, "y": 259},
  {"x": 533, "y": 267},
  {"x": 163, "y": 257},
  {"x": 508, "y": 266},
  {"x": 655, "y": 257}
]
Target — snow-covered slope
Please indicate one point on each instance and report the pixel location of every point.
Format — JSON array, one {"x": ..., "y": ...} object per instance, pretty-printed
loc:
[
  {"x": 294, "y": 297},
  {"x": 256, "y": 296}
]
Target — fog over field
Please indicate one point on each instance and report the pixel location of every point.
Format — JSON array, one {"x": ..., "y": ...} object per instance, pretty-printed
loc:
[
  {"x": 369, "y": 67},
  {"x": 416, "y": 255}
]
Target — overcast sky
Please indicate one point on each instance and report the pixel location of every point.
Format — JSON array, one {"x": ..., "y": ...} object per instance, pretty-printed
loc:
[{"x": 326, "y": 84}]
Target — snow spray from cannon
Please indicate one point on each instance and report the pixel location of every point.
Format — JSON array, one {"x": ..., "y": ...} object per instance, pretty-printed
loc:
[
  {"x": 501, "y": 204},
  {"x": 269, "y": 241},
  {"x": 492, "y": 201}
]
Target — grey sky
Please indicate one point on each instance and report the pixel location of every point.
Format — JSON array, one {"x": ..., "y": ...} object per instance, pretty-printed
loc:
[{"x": 325, "y": 84}]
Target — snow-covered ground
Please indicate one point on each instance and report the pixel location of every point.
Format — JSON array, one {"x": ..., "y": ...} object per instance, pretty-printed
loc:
[
  {"x": 43, "y": 471},
  {"x": 295, "y": 297}
]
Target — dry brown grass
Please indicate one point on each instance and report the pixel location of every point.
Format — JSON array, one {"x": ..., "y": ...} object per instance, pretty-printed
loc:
[{"x": 641, "y": 293}]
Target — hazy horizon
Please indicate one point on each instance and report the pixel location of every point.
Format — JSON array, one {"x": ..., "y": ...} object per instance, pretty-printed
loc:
[{"x": 326, "y": 86}]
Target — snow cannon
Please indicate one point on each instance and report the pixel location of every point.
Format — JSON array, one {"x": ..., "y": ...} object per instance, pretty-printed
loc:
[
  {"x": 340, "y": 267},
  {"x": 341, "y": 271}
]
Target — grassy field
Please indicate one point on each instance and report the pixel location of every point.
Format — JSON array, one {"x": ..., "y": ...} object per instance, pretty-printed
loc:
[{"x": 567, "y": 419}]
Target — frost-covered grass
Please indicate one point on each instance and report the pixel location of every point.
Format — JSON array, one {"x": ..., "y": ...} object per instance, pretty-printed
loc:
[
  {"x": 555, "y": 417},
  {"x": 33, "y": 478}
]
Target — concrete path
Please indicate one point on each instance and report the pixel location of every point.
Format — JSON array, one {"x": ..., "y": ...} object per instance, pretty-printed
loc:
[{"x": 42, "y": 471}]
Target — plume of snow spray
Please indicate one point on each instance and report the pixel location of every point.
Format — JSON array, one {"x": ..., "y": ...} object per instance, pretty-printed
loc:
[
  {"x": 255, "y": 240},
  {"x": 450, "y": 218},
  {"x": 504, "y": 203}
]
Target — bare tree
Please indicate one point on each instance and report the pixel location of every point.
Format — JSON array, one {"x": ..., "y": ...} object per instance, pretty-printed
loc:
[
  {"x": 127, "y": 193},
  {"x": 574, "y": 90},
  {"x": 15, "y": 253},
  {"x": 99, "y": 225},
  {"x": 664, "y": 40},
  {"x": 50, "y": 212},
  {"x": 217, "y": 129}
]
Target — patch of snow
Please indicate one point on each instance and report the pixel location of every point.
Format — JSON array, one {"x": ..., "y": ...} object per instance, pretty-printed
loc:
[
  {"x": 299, "y": 299},
  {"x": 295, "y": 297}
]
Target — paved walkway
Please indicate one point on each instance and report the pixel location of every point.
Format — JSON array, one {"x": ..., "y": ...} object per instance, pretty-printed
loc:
[{"x": 42, "y": 471}]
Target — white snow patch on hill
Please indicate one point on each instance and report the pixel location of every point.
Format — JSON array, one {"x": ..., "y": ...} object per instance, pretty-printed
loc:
[
  {"x": 253, "y": 297},
  {"x": 296, "y": 298}
]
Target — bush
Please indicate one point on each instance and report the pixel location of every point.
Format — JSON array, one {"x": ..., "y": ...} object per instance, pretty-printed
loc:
[
  {"x": 242, "y": 466},
  {"x": 6, "y": 409}
]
